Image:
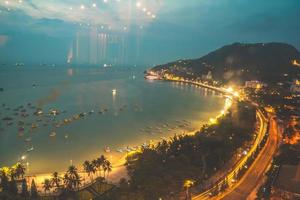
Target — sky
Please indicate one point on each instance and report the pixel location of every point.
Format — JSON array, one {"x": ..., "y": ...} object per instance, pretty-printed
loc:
[{"x": 138, "y": 32}]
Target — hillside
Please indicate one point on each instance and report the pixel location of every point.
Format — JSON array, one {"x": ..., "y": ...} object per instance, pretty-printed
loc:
[{"x": 238, "y": 62}]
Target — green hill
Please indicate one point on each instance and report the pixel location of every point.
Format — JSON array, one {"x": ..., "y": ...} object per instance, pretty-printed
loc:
[{"x": 269, "y": 62}]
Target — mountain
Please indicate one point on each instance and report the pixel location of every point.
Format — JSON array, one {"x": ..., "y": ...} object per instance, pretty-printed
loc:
[{"x": 269, "y": 62}]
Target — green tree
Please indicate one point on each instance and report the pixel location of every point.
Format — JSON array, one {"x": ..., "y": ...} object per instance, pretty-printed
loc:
[
  {"x": 13, "y": 189},
  {"x": 33, "y": 190},
  {"x": 20, "y": 170},
  {"x": 99, "y": 163},
  {"x": 25, "y": 193},
  {"x": 4, "y": 183},
  {"x": 107, "y": 167},
  {"x": 72, "y": 179},
  {"x": 89, "y": 168},
  {"x": 55, "y": 180},
  {"x": 47, "y": 185}
]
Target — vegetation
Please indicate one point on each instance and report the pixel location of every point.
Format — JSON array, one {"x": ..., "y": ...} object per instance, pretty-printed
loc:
[
  {"x": 160, "y": 171},
  {"x": 67, "y": 185},
  {"x": 9, "y": 179},
  {"x": 239, "y": 62}
]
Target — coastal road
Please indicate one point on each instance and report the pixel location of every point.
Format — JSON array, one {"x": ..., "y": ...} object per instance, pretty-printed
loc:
[
  {"x": 255, "y": 174},
  {"x": 231, "y": 174}
]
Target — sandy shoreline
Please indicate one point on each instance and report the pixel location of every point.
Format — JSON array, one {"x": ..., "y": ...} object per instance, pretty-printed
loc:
[{"x": 119, "y": 169}]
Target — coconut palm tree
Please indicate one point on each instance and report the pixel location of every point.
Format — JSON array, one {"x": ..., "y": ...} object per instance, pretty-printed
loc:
[
  {"x": 20, "y": 170},
  {"x": 4, "y": 183},
  {"x": 107, "y": 167},
  {"x": 55, "y": 180},
  {"x": 100, "y": 162},
  {"x": 25, "y": 193},
  {"x": 96, "y": 165},
  {"x": 13, "y": 173},
  {"x": 13, "y": 188},
  {"x": 47, "y": 185},
  {"x": 72, "y": 179},
  {"x": 89, "y": 168},
  {"x": 33, "y": 190}
]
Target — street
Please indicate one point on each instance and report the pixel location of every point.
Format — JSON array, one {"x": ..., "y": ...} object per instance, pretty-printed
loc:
[{"x": 256, "y": 172}]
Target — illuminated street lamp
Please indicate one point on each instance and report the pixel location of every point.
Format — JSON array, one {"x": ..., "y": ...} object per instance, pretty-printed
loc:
[{"x": 187, "y": 184}]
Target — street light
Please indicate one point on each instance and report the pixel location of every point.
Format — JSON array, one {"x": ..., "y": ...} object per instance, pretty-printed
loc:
[{"x": 187, "y": 184}]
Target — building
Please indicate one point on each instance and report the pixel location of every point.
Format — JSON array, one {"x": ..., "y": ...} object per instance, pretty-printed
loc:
[
  {"x": 254, "y": 84},
  {"x": 295, "y": 87}
]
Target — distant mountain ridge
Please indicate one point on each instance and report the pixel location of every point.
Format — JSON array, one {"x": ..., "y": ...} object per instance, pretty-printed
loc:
[{"x": 239, "y": 62}]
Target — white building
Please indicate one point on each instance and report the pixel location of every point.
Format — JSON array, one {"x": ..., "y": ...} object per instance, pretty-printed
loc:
[
  {"x": 255, "y": 84},
  {"x": 295, "y": 87}
]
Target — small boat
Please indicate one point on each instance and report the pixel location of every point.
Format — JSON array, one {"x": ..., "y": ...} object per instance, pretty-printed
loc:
[
  {"x": 120, "y": 150},
  {"x": 66, "y": 136},
  {"x": 28, "y": 140},
  {"x": 66, "y": 121},
  {"x": 21, "y": 134},
  {"x": 106, "y": 149},
  {"x": 9, "y": 123},
  {"x": 76, "y": 117},
  {"x": 52, "y": 134},
  {"x": 81, "y": 115},
  {"x": 114, "y": 91},
  {"x": 54, "y": 112},
  {"x": 33, "y": 125},
  {"x": 7, "y": 119},
  {"x": 30, "y": 149}
]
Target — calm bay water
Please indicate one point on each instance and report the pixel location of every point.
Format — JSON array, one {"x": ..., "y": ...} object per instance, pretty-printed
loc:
[{"x": 140, "y": 111}]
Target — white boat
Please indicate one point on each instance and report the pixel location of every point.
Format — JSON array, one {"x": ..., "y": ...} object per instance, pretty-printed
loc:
[
  {"x": 30, "y": 149},
  {"x": 119, "y": 150},
  {"x": 52, "y": 134},
  {"x": 107, "y": 149}
]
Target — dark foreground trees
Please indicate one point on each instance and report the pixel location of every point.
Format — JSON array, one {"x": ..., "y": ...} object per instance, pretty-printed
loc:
[{"x": 160, "y": 171}]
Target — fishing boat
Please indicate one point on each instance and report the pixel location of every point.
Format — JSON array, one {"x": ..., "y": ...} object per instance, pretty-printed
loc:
[
  {"x": 52, "y": 134},
  {"x": 106, "y": 149},
  {"x": 120, "y": 150},
  {"x": 30, "y": 149}
]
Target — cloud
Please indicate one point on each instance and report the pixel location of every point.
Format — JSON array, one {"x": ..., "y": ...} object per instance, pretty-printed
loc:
[
  {"x": 114, "y": 14},
  {"x": 3, "y": 40}
]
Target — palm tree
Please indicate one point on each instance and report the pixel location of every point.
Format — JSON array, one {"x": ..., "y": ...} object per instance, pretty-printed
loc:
[
  {"x": 72, "y": 179},
  {"x": 33, "y": 190},
  {"x": 55, "y": 180},
  {"x": 100, "y": 162},
  {"x": 47, "y": 185},
  {"x": 107, "y": 167},
  {"x": 20, "y": 170},
  {"x": 25, "y": 193},
  {"x": 89, "y": 168},
  {"x": 13, "y": 188},
  {"x": 4, "y": 184},
  {"x": 96, "y": 165},
  {"x": 13, "y": 173}
]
